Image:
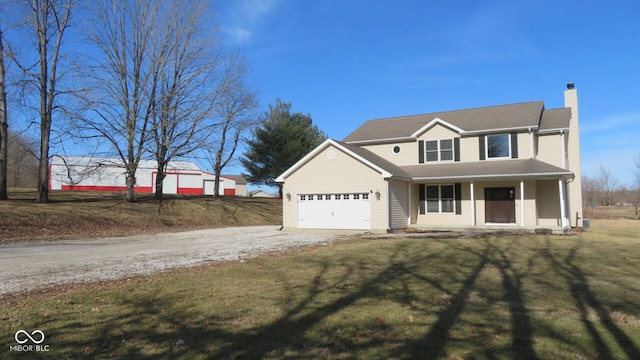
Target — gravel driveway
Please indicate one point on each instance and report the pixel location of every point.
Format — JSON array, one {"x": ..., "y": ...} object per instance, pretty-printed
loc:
[{"x": 26, "y": 266}]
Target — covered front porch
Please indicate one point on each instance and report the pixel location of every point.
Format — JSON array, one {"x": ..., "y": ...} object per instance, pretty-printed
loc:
[{"x": 527, "y": 199}]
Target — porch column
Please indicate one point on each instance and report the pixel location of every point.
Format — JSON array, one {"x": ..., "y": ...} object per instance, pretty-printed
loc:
[
  {"x": 522, "y": 203},
  {"x": 563, "y": 215},
  {"x": 410, "y": 208},
  {"x": 473, "y": 205}
]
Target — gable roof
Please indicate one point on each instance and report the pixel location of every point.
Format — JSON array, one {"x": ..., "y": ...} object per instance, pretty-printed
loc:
[
  {"x": 386, "y": 168},
  {"x": 484, "y": 119}
]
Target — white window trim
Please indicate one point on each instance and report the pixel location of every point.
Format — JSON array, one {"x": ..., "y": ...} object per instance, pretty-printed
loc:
[
  {"x": 426, "y": 207},
  {"x": 439, "y": 150},
  {"x": 486, "y": 147}
]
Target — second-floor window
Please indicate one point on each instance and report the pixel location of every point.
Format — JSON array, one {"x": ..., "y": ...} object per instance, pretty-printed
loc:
[
  {"x": 498, "y": 146},
  {"x": 439, "y": 150}
]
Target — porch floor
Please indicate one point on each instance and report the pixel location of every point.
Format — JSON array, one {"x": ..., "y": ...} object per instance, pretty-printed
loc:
[{"x": 485, "y": 228}]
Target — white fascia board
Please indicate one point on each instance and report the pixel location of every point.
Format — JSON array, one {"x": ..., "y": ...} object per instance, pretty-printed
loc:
[
  {"x": 280, "y": 179},
  {"x": 500, "y": 130},
  {"x": 494, "y": 176},
  {"x": 385, "y": 174},
  {"x": 294, "y": 167},
  {"x": 551, "y": 131},
  {"x": 433, "y": 123},
  {"x": 380, "y": 141}
]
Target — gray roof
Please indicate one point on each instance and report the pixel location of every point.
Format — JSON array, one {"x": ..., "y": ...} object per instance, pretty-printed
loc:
[
  {"x": 555, "y": 119},
  {"x": 513, "y": 168},
  {"x": 376, "y": 160},
  {"x": 516, "y": 168},
  {"x": 513, "y": 116},
  {"x": 240, "y": 179}
]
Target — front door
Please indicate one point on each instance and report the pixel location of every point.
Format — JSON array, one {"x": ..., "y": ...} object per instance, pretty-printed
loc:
[{"x": 500, "y": 205}]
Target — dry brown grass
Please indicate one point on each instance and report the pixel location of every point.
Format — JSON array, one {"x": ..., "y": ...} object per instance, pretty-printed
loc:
[
  {"x": 611, "y": 212},
  {"x": 73, "y": 214}
]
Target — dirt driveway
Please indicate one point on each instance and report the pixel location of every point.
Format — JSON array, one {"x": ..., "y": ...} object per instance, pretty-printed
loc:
[{"x": 26, "y": 266}]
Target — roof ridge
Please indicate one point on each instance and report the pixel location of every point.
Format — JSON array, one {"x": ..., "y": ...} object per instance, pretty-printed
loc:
[{"x": 458, "y": 110}]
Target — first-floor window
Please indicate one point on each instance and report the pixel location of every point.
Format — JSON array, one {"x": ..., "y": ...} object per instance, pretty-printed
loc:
[{"x": 440, "y": 198}]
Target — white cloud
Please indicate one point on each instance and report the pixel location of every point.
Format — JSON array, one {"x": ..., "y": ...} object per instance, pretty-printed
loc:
[
  {"x": 238, "y": 35},
  {"x": 240, "y": 18},
  {"x": 256, "y": 9},
  {"x": 615, "y": 122},
  {"x": 611, "y": 142}
]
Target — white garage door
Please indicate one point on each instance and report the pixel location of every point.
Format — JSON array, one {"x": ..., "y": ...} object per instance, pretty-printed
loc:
[{"x": 334, "y": 211}]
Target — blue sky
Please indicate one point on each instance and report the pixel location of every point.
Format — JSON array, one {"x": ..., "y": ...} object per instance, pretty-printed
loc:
[{"x": 348, "y": 61}]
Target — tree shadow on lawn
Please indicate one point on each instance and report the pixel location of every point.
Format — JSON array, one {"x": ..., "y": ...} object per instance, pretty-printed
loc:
[
  {"x": 586, "y": 301},
  {"x": 405, "y": 277}
]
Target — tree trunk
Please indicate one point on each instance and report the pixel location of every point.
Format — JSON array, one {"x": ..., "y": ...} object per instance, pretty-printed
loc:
[
  {"x": 42, "y": 195},
  {"x": 131, "y": 183},
  {"x": 280, "y": 190},
  {"x": 217, "y": 167},
  {"x": 159, "y": 194},
  {"x": 4, "y": 132}
]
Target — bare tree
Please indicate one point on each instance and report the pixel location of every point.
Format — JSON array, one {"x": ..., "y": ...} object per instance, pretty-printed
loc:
[
  {"x": 124, "y": 80},
  {"x": 48, "y": 20},
  {"x": 188, "y": 85},
  {"x": 236, "y": 112},
  {"x": 607, "y": 182},
  {"x": 4, "y": 131},
  {"x": 22, "y": 162},
  {"x": 636, "y": 191},
  {"x": 637, "y": 163},
  {"x": 590, "y": 191}
]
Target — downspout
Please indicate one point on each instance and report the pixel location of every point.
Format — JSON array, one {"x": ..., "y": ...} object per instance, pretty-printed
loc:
[
  {"x": 563, "y": 148},
  {"x": 532, "y": 154},
  {"x": 388, "y": 207}
]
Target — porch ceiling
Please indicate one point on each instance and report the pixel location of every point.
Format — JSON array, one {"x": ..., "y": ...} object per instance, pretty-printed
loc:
[{"x": 487, "y": 170}]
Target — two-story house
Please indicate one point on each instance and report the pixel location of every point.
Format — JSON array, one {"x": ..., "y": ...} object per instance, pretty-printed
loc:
[{"x": 511, "y": 166}]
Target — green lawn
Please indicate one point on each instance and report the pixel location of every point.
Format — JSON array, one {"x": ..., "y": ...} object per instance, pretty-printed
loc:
[{"x": 524, "y": 297}]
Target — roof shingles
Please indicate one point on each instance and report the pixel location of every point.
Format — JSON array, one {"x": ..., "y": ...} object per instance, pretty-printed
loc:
[{"x": 485, "y": 119}]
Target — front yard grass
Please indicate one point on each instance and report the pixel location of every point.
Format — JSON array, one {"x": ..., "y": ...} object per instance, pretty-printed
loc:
[{"x": 524, "y": 297}]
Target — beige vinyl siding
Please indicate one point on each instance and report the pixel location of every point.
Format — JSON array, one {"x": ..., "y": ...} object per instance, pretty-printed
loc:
[
  {"x": 399, "y": 204},
  {"x": 342, "y": 174},
  {"x": 549, "y": 149},
  {"x": 408, "y": 154},
  {"x": 548, "y": 204},
  {"x": 438, "y": 132},
  {"x": 469, "y": 149},
  {"x": 524, "y": 151},
  {"x": 530, "y": 193}
]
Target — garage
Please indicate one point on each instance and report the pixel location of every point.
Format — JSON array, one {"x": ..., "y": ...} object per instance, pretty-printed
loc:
[{"x": 334, "y": 211}]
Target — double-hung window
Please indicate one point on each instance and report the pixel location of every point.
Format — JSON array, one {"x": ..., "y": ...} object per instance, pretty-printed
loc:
[
  {"x": 439, "y": 150},
  {"x": 440, "y": 198}
]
